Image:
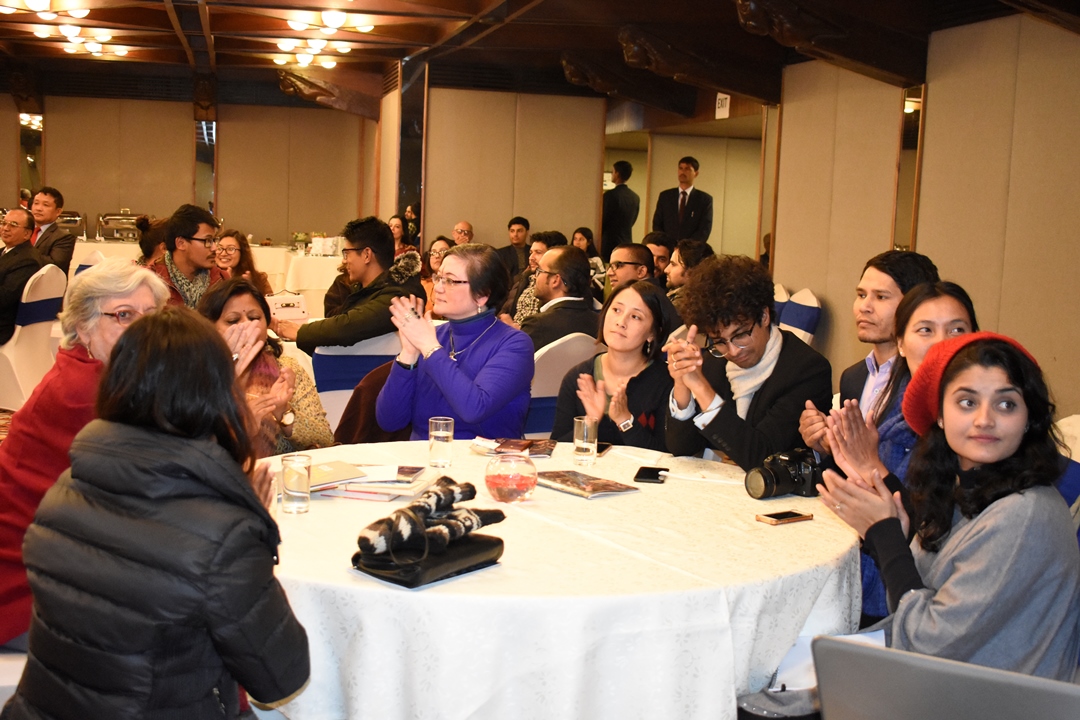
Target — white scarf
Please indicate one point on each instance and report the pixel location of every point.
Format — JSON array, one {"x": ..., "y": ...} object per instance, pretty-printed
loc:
[{"x": 746, "y": 381}]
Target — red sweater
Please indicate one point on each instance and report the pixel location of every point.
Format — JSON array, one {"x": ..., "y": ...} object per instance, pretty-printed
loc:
[{"x": 31, "y": 459}]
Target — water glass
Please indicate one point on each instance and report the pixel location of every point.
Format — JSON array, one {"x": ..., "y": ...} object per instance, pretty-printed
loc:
[
  {"x": 295, "y": 483},
  {"x": 440, "y": 441},
  {"x": 585, "y": 429}
]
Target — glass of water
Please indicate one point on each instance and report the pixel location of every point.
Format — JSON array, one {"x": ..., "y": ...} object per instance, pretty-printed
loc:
[
  {"x": 295, "y": 483},
  {"x": 585, "y": 429},
  {"x": 440, "y": 441}
]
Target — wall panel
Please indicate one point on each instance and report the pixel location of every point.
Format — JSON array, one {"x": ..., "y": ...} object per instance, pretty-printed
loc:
[
  {"x": 9, "y": 150},
  {"x": 323, "y": 175},
  {"x": 253, "y": 170},
  {"x": 389, "y": 145}
]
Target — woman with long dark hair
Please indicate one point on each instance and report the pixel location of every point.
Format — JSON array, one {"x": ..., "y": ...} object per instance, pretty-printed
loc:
[
  {"x": 235, "y": 259},
  {"x": 992, "y": 576},
  {"x": 627, "y": 387},
  {"x": 152, "y": 559},
  {"x": 583, "y": 240}
]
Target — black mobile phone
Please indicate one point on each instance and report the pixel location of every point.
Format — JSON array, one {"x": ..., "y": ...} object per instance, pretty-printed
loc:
[
  {"x": 649, "y": 474},
  {"x": 783, "y": 518}
]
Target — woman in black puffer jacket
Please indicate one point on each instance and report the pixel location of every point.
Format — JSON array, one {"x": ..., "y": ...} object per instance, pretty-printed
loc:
[{"x": 151, "y": 560}]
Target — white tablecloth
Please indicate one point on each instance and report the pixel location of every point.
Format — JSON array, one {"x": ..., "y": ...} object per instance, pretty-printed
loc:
[
  {"x": 312, "y": 276},
  {"x": 274, "y": 261},
  {"x": 661, "y": 604}
]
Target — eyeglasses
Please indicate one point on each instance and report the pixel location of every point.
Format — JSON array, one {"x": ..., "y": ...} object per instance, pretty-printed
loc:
[
  {"x": 738, "y": 341},
  {"x": 124, "y": 318},
  {"x": 618, "y": 264},
  {"x": 345, "y": 252},
  {"x": 206, "y": 241},
  {"x": 546, "y": 272},
  {"x": 458, "y": 231},
  {"x": 13, "y": 224},
  {"x": 227, "y": 250},
  {"x": 437, "y": 280},
  {"x": 438, "y": 253}
]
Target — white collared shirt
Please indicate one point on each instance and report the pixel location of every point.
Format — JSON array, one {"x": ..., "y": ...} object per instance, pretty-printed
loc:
[{"x": 556, "y": 301}]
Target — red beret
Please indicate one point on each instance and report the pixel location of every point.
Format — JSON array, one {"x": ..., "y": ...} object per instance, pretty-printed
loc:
[{"x": 920, "y": 406}]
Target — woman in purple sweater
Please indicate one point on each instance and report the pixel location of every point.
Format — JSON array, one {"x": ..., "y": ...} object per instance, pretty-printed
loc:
[{"x": 473, "y": 368}]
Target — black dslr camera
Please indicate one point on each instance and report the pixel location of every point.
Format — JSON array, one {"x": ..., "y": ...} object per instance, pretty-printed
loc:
[{"x": 784, "y": 473}]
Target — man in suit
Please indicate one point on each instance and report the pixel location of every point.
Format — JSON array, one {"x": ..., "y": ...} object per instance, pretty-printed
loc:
[
  {"x": 741, "y": 395},
  {"x": 515, "y": 256},
  {"x": 53, "y": 243},
  {"x": 562, "y": 285},
  {"x": 20, "y": 260},
  {"x": 886, "y": 278},
  {"x": 621, "y": 206},
  {"x": 684, "y": 212}
]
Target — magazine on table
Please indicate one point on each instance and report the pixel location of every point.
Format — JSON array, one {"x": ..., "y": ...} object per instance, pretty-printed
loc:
[
  {"x": 535, "y": 448},
  {"x": 368, "y": 482},
  {"x": 577, "y": 483}
]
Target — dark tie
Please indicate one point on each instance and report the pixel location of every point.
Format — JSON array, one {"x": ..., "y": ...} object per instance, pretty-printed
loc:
[
  {"x": 682, "y": 204},
  {"x": 37, "y": 231}
]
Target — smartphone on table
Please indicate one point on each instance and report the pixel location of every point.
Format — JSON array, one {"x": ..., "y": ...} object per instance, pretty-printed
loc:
[{"x": 783, "y": 518}]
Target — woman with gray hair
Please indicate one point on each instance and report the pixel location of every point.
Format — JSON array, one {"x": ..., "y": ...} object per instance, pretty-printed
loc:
[{"x": 101, "y": 303}]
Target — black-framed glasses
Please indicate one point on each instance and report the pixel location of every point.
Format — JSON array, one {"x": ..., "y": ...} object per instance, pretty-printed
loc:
[
  {"x": 738, "y": 341},
  {"x": 546, "y": 272},
  {"x": 440, "y": 279},
  {"x": 124, "y": 318},
  {"x": 228, "y": 250},
  {"x": 618, "y": 264},
  {"x": 206, "y": 241},
  {"x": 346, "y": 250}
]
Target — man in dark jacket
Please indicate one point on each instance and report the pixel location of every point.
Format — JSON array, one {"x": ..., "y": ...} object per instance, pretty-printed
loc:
[
  {"x": 743, "y": 394},
  {"x": 369, "y": 261},
  {"x": 19, "y": 261},
  {"x": 621, "y": 206},
  {"x": 684, "y": 212},
  {"x": 562, "y": 285}
]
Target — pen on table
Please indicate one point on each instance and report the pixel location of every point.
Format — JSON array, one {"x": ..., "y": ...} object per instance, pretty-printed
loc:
[{"x": 682, "y": 476}]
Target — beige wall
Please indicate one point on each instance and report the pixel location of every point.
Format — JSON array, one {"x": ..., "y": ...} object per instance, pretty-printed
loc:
[
  {"x": 998, "y": 210},
  {"x": 730, "y": 172},
  {"x": 639, "y": 182},
  {"x": 491, "y": 156},
  {"x": 389, "y": 151},
  {"x": 9, "y": 151},
  {"x": 107, "y": 154},
  {"x": 838, "y": 151},
  {"x": 285, "y": 170},
  {"x": 369, "y": 181}
]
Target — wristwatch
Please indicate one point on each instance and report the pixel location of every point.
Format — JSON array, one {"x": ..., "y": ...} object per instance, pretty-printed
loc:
[
  {"x": 288, "y": 418},
  {"x": 627, "y": 424}
]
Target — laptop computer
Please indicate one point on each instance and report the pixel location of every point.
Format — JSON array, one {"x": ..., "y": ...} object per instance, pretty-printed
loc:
[{"x": 860, "y": 682}]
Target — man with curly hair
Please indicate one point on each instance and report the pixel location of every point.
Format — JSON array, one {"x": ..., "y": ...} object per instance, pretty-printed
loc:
[{"x": 743, "y": 394}]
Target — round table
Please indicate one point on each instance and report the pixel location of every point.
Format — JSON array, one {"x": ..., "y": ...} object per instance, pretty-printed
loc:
[{"x": 664, "y": 603}]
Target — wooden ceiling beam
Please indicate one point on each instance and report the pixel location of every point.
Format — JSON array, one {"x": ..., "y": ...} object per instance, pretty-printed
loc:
[
  {"x": 175, "y": 20},
  {"x": 645, "y": 51},
  {"x": 204, "y": 21},
  {"x": 820, "y": 31},
  {"x": 616, "y": 80},
  {"x": 1063, "y": 13}
]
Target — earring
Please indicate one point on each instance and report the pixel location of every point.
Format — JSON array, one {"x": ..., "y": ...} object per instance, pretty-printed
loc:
[
  {"x": 648, "y": 347},
  {"x": 941, "y": 423},
  {"x": 479, "y": 309}
]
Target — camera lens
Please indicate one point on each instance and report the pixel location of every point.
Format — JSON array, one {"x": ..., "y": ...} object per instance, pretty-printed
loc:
[{"x": 762, "y": 483}]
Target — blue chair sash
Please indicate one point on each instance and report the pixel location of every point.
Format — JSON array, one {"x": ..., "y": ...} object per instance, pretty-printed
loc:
[
  {"x": 343, "y": 372},
  {"x": 31, "y": 313},
  {"x": 801, "y": 316},
  {"x": 541, "y": 417}
]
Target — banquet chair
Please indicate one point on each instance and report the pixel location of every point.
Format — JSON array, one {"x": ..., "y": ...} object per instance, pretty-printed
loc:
[
  {"x": 26, "y": 357},
  {"x": 338, "y": 370},
  {"x": 11, "y": 668},
  {"x": 800, "y": 315},
  {"x": 780, "y": 300},
  {"x": 358, "y": 423},
  {"x": 90, "y": 261},
  {"x": 552, "y": 363}
]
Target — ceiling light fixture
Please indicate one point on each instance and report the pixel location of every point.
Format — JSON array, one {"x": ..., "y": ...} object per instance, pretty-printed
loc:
[
  {"x": 280, "y": 61},
  {"x": 334, "y": 18},
  {"x": 41, "y": 32},
  {"x": 327, "y": 63},
  {"x": 297, "y": 25},
  {"x": 77, "y": 40},
  {"x": 304, "y": 59},
  {"x": 97, "y": 54},
  {"x": 37, "y": 5},
  {"x": 120, "y": 51},
  {"x": 79, "y": 12},
  {"x": 103, "y": 37},
  {"x": 93, "y": 47},
  {"x": 287, "y": 45},
  {"x": 317, "y": 44},
  {"x": 47, "y": 15},
  {"x": 5, "y": 10},
  {"x": 341, "y": 47},
  {"x": 70, "y": 31},
  {"x": 366, "y": 28},
  {"x": 71, "y": 48},
  {"x": 327, "y": 30}
]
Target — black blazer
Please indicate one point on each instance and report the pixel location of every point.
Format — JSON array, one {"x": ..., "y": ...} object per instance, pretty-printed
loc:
[
  {"x": 621, "y": 207},
  {"x": 56, "y": 246},
  {"x": 16, "y": 268},
  {"x": 565, "y": 318},
  {"x": 508, "y": 254},
  {"x": 853, "y": 380},
  {"x": 772, "y": 421},
  {"x": 697, "y": 218}
]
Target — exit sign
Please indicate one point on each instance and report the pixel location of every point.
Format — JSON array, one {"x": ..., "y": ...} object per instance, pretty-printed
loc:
[{"x": 723, "y": 106}]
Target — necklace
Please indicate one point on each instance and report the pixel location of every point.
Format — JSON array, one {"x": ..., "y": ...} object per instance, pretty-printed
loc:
[{"x": 454, "y": 352}]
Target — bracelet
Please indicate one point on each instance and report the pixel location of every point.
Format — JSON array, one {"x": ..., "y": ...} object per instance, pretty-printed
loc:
[{"x": 428, "y": 353}]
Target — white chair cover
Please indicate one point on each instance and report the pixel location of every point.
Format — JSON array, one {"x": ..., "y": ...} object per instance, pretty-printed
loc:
[
  {"x": 801, "y": 315},
  {"x": 552, "y": 362},
  {"x": 27, "y": 356}
]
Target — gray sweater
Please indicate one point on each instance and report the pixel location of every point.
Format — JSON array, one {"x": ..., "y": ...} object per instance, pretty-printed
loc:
[{"x": 1003, "y": 591}]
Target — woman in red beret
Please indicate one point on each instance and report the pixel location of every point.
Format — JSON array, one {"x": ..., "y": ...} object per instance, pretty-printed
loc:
[{"x": 992, "y": 574}]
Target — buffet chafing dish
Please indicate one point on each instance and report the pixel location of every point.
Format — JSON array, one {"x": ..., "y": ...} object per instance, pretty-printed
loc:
[
  {"x": 73, "y": 222},
  {"x": 118, "y": 226}
]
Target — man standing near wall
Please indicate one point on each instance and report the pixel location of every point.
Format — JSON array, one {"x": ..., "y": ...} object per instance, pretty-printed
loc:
[
  {"x": 684, "y": 213},
  {"x": 621, "y": 205},
  {"x": 885, "y": 280},
  {"x": 54, "y": 244},
  {"x": 515, "y": 256},
  {"x": 188, "y": 266}
]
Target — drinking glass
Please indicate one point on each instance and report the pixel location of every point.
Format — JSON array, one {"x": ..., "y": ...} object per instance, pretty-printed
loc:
[
  {"x": 295, "y": 483},
  {"x": 440, "y": 441},
  {"x": 585, "y": 429}
]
